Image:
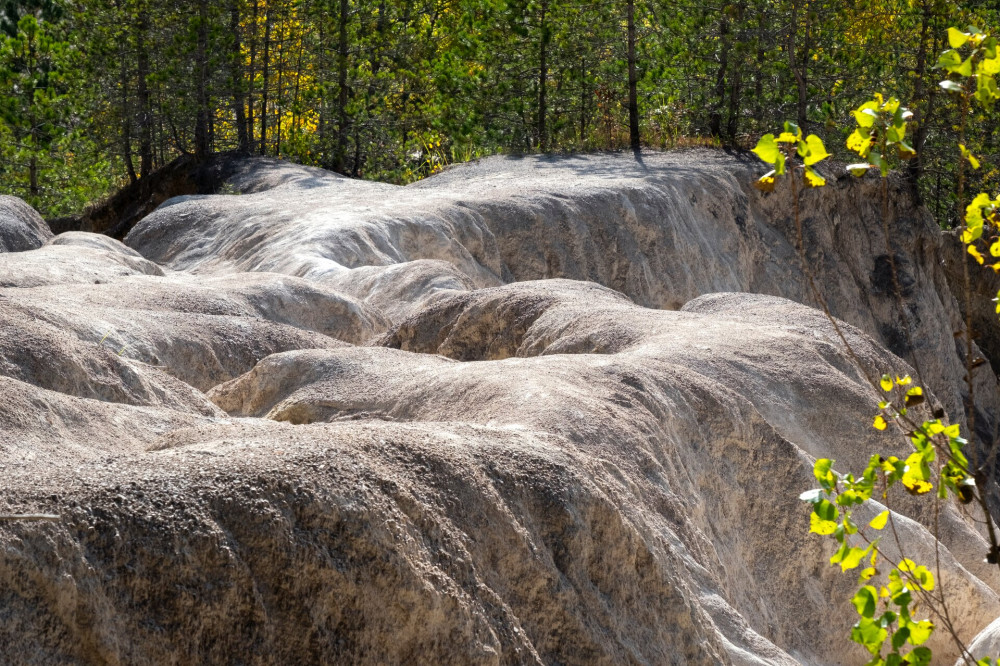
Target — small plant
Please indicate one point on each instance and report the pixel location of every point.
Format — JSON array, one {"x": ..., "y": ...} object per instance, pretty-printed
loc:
[{"x": 891, "y": 590}]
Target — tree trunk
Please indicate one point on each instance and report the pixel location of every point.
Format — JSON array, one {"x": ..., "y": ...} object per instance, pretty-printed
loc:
[
  {"x": 125, "y": 114},
  {"x": 633, "y": 80},
  {"x": 201, "y": 132},
  {"x": 758, "y": 86},
  {"x": 239, "y": 104},
  {"x": 715, "y": 118},
  {"x": 799, "y": 71},
  {"x": 583, "y": 101},
  {"x": 924, "y": 110},
  {"x": 543, "y": 75},
  {"x": 281, "y": 71},
  {"x": 342, "y": 93},
  {"x": 252, "y": 75},
  {"x": 145, "y": 118},
  {"x": 736, "y": 79},
  {"x": 265, "y": 83},
  {"x": 296, "y": 117}
]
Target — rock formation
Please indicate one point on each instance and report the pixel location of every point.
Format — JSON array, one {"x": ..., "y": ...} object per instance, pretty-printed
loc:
[
  {"x": 540, "y": 410},
  {"x": 21, "y": 227}
]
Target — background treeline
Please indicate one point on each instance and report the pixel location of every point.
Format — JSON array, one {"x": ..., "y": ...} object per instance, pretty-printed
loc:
[{"x": 98, "y": 93}]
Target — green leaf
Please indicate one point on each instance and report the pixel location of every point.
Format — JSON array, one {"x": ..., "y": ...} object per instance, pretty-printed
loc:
[
  {"x": 793, "y": 129},
  {"x": 965, "y": 69},
  {"x": 900, "y": 637},
  {"x": 869, "y": 634},
  {"x": 920, "y": 656},
  {"x": 866, "y": 601},
  {"x": 865, "y": 115},
  {"x": 823, "y": 471},
  {"x": 779, "y": 164},
  {"x": 876, "y": 159},
  {"x": 848, "y": 557},
  {"x": 879, "y": 521},
  {"x": 823, "y": 519},
  {"x": 767, "y": 149},
  {"x": 949, "y": 60}
]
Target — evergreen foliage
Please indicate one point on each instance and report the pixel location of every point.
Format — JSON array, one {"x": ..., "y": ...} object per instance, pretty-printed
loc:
[{"x": 101, "y": 92}]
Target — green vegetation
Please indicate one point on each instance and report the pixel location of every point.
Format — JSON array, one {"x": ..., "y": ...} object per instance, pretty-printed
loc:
[
  {"x": 99, "y": 93},
  {"x": 887, "y": 598}
]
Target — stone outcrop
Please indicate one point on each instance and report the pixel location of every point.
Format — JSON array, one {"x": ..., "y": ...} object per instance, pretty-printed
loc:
[
  {"x": 661, "y": 230},
  {"x": 528, "y": 411},
  {"x": 21, "y": 227}
]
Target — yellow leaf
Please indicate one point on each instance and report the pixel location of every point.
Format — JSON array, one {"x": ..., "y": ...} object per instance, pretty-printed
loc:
[
  {"x": 957, "y": 38},
  {"x": 815, "y": 150},
  {"x": 967, "y": 154},
  {"x": 916, "y": 486},
  {"x": 879, "y": 521},
  {"x": 859, "y": 143},
  {"x": 880, "y": 423},
  {"x": 812, "y": 179},
  {"x": 819, "y": 526},
  {"x": 975, "y": 253},
  {"x": 905, "y": 381},
  {"x": 886, "y": 383},
  {"x": 766, "y": 182}
]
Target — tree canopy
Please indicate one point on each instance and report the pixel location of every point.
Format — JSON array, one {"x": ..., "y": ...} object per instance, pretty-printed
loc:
[{"x": 99, "y": 93}]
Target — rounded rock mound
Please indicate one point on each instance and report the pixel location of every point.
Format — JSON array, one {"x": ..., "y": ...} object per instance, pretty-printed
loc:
[{"x": 21, "y": 227}]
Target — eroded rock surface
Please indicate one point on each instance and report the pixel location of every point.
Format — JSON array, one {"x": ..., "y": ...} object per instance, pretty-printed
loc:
[
  {"x": 529, "y": 411},
  {"x": 662, "y": 230},
  {"x": 21, "y": 227}
]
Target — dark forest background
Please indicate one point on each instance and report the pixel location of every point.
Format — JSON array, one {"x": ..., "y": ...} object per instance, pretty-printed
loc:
[{"x": 100, "y": 93}]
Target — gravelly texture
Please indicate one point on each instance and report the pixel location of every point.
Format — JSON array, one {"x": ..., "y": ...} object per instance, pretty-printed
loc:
[{"x": 462, "y": 422}]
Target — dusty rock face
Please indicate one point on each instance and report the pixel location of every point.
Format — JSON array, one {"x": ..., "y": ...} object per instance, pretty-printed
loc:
[
  {"x": 21, "y": 227},
  {"x": 528, "y": 411},
  {"x": 661, "y": 231}
]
